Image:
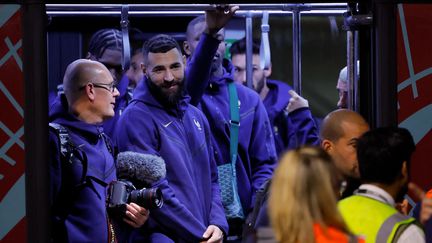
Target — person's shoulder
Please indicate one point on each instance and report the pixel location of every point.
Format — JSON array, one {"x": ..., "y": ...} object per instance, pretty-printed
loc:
[
  {"x": 53, "y": 136},
  {"x": 136, "y": 114},
  {"x": 279, "y": 84},
  {"x": 135, "y": 107},
  {"x": 197, "y": 112}
]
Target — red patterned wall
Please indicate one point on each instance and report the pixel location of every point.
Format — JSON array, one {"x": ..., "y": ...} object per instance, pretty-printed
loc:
[
  {"x": 414, "y": 65},
  {"x": 12, "y": 190}
]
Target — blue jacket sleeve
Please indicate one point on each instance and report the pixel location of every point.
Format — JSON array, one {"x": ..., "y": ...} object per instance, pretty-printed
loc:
[
  {"x": 198, "y": 70},
  {"x": 304, "y": 124},
  {"x": 217, "y": 213},
  {"x": 175, "y": 217},
  {"x": 262, "y": 149},
  {"x": 135, "y": 133}
]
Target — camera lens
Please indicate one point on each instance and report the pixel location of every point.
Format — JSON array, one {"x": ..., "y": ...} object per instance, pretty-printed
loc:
[{"x": 147, "y": 198}]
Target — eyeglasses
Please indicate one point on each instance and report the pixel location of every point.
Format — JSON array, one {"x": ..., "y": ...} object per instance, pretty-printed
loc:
[{"x": 110, "y": 87}]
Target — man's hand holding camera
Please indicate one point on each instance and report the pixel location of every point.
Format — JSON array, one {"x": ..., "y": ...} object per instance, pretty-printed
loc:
[
  {"x": 213, "y": 234},
  {"x": 135, "y": 215}
]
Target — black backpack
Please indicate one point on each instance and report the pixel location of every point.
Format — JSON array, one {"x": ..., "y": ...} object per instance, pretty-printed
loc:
[{"x": 71, "y": 155}]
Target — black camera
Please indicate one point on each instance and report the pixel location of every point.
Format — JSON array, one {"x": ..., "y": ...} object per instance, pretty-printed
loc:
[{"x": 122, "y": 192}]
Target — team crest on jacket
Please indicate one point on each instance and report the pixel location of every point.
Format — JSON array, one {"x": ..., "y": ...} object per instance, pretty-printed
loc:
[{"x": 197, "y": 124}]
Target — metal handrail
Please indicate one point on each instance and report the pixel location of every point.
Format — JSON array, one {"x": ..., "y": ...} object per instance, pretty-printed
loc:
[{"x": 189, "y": 9}]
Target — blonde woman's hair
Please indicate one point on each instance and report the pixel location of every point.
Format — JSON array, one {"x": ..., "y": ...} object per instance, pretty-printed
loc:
[{"x": 302, "y": 194}]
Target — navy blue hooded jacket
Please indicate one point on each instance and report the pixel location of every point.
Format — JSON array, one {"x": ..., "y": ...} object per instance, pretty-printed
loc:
[
  {"x": 293, "y": 130},
  {"x": 256, "y": 149},
  {"x": 181, "y": 136},
  {"x": 79, "y": 213}
]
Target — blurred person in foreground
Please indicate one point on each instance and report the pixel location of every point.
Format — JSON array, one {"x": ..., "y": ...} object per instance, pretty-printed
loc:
[{"x": 302, "y": 203}]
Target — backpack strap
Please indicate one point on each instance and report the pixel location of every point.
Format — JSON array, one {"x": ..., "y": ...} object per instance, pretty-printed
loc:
[
  {"x": 234, "y": 121},
  {"x": 260, "y": 199},
  {"x": 70, "y": 154},
  {"x": 109, "y": 145},
  {"x": 68, "y": 149},
  {"x": 65, "y": 141}
]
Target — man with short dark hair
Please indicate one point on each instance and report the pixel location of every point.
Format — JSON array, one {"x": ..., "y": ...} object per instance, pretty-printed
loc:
[
  {"x": 135, "y": 73},
  {"x": 290, "y": 129},
  {"x": 159, "y": 120},
  {"x": 384, "y": 156},
  {"x": 81, "y": 169}
]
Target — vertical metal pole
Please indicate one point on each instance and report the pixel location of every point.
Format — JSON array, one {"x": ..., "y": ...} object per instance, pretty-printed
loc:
[
  {"x": 356, "y": 99},
  {"x": 350, "y": 67},
  {"x": 36, "y": 121},
  {"x": 249, "y": 54},
  {"x": 297, "y": 51}
]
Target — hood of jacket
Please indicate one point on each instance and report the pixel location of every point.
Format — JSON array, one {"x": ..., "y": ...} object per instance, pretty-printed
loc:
[
  {"x": 122, "y": 88},
  {"x": 227, "y": 75},
  {"x": 278, "y": 97},
  {"x": 59, "y": 113}
]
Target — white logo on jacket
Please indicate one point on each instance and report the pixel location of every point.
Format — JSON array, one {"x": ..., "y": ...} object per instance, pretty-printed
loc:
[
  {"x": 197, "y": 124},
  {"x": 167, "y": 124}
]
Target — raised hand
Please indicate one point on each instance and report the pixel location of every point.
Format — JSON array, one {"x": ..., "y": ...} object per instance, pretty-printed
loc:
[
  {"x": 426, "y": 207},
  {"x": 296, "y": 102},
  {"x": 217, "y": 18}
]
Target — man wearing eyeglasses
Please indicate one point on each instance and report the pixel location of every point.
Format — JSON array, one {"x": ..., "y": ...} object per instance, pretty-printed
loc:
[{"x": 80, "y": 172}]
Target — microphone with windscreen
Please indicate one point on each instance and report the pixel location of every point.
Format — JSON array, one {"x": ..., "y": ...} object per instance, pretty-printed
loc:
[{"x": 137, "y": 170}]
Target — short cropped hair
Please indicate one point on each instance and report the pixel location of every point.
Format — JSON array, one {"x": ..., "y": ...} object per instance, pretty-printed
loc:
[
  {"x": 193, "y": 22},
  {"x": 160, "y": 44},
  {"x": 381, "y": 153},
  {"x": 239, "y": 47},
  {"x": 105, "y": 39},
  {"x": 331, "y": 127}
]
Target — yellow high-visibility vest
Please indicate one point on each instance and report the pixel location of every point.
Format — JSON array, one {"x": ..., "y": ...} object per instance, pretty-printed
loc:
[{"x": 374, "y": 220}]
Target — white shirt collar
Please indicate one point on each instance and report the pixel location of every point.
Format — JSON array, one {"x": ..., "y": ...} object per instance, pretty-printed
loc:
[{"x": 377, "y": 193}]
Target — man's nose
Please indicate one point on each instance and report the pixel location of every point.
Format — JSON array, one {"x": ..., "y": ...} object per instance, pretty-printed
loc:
[
  {"x": 243, "y": 77},
  {"x": 168, "y": 76},
  {"x": 116, "y": 92}
]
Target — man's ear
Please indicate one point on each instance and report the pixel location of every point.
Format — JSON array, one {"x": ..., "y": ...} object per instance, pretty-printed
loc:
[
  {"x": 268, "y": 71},
  {"x": 90, "y": 91},
  {"x": 404, "y": 171},
  {"x": 327, "y": 145},
  {"x": 186, "y": 48},
  {"x": 143, "y": 68},
  {"x": 90, "y": 56},
  {"x": 184, "y": 60}
]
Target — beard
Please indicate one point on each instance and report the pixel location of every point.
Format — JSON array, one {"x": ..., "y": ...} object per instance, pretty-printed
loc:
[
  {"x": 259, "y": 86},
  {"x": 160, "y": 92}
]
